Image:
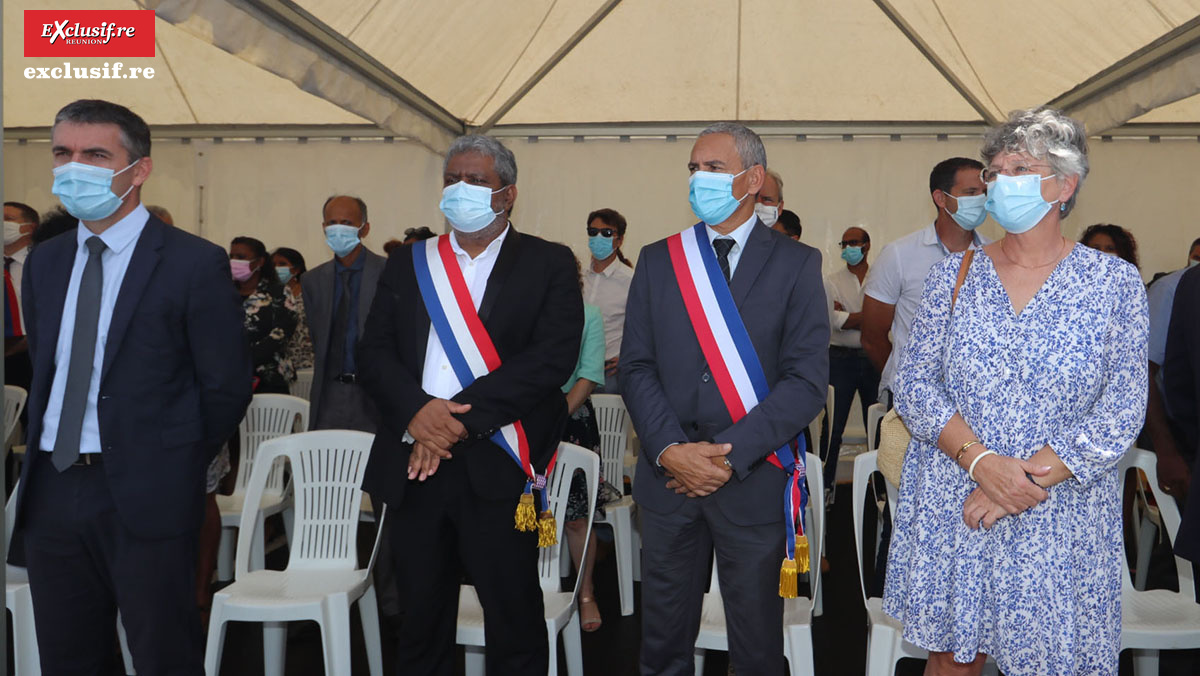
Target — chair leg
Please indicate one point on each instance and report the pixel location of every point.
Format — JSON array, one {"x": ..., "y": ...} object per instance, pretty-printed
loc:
[
  {"x": 225, "y": 553},
  {"x": 800, "y": 653},
  {"x": 26, "y": 659},
  {"x": 335, "y": 629},
  {"x": 572, "y": 646},
  {"x": 881, "y": 656},
  {"x": 274, "y": 648},
  {"x": 474, "y": 660},
  {"x": 368, "y": 611},
  {"x": 699, "y": 661},
  {"x": 1145, "y": 662},
  {"x": 623, "y": 541},
  {"x": 216, "y": 639},
  {"x": 125, "y": 654}
]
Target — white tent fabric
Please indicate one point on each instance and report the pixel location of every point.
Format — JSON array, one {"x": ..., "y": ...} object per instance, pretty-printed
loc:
[{"x": 468, "y": 64}]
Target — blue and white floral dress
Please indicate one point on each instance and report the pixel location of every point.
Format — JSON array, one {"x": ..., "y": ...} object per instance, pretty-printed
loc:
[{"x": 1041, "y": 590}]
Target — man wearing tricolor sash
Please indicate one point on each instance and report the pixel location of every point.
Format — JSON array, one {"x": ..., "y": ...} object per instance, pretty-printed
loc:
[
  {"x": 469, "y": 338},
  {"x": 724, "y": 361}
]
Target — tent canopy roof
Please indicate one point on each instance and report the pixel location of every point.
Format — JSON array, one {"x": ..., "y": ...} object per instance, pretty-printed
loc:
[{"x": 433, "y": 69}]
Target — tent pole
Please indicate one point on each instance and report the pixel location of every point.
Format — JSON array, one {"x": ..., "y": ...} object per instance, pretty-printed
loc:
[{"x": 989, "y": 116}]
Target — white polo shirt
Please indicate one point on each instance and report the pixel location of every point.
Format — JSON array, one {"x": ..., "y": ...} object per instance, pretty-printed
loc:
[{"x": 898, "y": 277}]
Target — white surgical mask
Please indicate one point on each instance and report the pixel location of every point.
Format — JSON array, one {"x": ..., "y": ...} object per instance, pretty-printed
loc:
[
  {"x": 12, "y": 232},
  {"x": 767, "y": 214}
]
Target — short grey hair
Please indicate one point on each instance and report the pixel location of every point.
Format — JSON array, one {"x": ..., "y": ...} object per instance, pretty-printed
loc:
[
  {"x": 749, "y": 146},
  {"x": 502, "y": 158},
  {"x": 1046, "y": 134},
  {"x": 778, "y": 180}
]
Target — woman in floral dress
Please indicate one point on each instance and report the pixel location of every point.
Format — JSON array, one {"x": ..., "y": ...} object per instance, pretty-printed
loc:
[
  {"x": 289, "y": 266},
  {"x": 1021, "y": 400}
]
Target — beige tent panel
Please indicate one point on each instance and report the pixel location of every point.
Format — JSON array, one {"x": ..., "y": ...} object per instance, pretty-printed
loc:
[
  {"x": 679, "y": 60},
  {"x": 193, "y": 83}
]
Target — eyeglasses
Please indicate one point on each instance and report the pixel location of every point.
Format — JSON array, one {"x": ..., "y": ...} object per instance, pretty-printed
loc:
[
  {"x": 989, "y": 174},
  {"x": 603, "y": 232},
  {"x": 853, "y": 242}
]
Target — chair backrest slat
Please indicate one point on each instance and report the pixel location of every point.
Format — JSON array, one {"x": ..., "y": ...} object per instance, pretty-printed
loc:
[
  {"x": 570, "y": 459},
  {"x": 14, "y": 403},
  {"x": 269, "y": 416}
]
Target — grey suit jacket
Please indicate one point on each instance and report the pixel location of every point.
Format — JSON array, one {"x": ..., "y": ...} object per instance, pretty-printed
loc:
[
  {"x": 317, "y": 288},
  {"x": 668, "y": 386}
]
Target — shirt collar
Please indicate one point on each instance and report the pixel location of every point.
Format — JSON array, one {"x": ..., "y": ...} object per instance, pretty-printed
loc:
[
  {"x": 492, "y": 248},
  {"x": 359, "y": 263},
  {"x": 19, "y": 255},
  {"x": 121, "y": 234},
  {"x": 930, "y": 238},
  {"x": 739, "y": 235},
  {"x": 606, "y": 272}
]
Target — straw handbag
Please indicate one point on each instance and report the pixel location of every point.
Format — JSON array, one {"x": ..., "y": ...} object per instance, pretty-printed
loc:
[{"x": 893, "y": 435}]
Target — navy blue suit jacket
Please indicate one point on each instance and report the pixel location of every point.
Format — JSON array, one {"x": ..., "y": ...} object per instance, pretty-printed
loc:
[
  {"x": 669, "y": 390},
  {"x": 1181, "y": 390},
  {"x": 176, "y": 378}
]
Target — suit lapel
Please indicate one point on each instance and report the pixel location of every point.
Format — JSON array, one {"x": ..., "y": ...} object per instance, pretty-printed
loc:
[
  {"x": 370, "y": 279},
  {"x": 754, "y": 257},
  {"x": 323, "y": 293},
  {"x": 137, "y": 276},
  {"x": 505, "y": 262}
]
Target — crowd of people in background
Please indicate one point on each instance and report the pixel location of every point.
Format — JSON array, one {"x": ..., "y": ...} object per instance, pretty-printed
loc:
[{"x": 1020, "y": 367}]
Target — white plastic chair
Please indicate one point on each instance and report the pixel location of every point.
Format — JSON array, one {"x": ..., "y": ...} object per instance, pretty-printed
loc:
[
  {"x": 303, "y": 386},
  {"x": 615, "y": 426},
  {"x": 814, "y": 428},
  {"x": 562, "y": 612},
  {"x": 1158, "y": 619},
  {"x": 14, "y": 402},
  {"x": 19, "y": 601},
  {"x": 875, "y": 413},
  {"x": 797, "y": 612},
  {"x": 322, "y": 578},
  {"x": 268, "y": 416}
]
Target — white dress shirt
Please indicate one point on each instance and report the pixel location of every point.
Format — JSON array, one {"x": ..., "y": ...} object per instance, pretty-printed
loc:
[
  {"x": 842, "y": 286},
  {"x": 120, "y": 238},
  {"x": 898, "y": 278},
  {"x": 438, "y": 378},
  {"x": 739, "y": 236},
  {"x": 17, "y": 270},
  {"x": 608, "y": 291}
]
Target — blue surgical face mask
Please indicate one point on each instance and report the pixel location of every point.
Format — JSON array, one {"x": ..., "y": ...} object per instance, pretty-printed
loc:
[
  {"x": 86, "y": 190},
  {"x": 469, "y": 207},
  {"x": 600, "y": 246},
  {"x": 970, "y": 214},
  {"x": 284, "y": 273},
  {"x": 711, "y": 196},
  {"x": 1016, "y": 202},
  {"x": 341, "y": 238},
  {"x": 852, "y": 255}
]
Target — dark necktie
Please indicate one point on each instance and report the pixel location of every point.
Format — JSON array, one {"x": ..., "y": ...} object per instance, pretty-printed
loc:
[
  {"x": 337, "y": 343},
  {"x": 723, "y": 245},
  {"x": 83, "y": 355}
]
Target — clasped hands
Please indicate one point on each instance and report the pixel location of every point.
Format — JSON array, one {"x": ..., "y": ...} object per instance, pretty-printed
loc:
[
  {"x": 696, "y": 469},
  {"x": 435, "y": 430},
  {"x": 1003, "y": 489}
]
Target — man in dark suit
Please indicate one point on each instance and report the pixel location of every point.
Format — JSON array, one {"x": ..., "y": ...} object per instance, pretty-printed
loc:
[
  {"x": 451, "y": 491},
  {"x": 1181, "y": 397},
  {"x": 140, "y": 372},
  {"x": 702, "y": 483},
  {"x": 337, "y": 297}
]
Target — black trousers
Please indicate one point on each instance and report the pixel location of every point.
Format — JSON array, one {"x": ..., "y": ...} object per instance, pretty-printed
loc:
[
  {"x": 84, "y": 564},
  {"x": 440, "y": 530},
  {"x": 850, "y": 372},
  {"x": 677, "y": 550}
]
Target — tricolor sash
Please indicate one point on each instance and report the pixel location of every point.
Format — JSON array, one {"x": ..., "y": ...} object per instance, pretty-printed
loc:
[
  {"x": 739, "y": 376},
  {"x": 471, "y": 354}
]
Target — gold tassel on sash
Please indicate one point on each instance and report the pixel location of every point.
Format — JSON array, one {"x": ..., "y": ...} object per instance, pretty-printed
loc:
[
  {"x": 547, "y": 530},
  {"x": 526, "y": 517},
  {"x": 787, "y": 580},
  {"x": 802, "y": 554}
]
